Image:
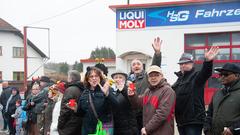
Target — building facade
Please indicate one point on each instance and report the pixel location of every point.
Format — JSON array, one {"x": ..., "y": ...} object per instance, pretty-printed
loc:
[
  {"x": 184, "y": 26},
  {"x": 12, "y": 53}
]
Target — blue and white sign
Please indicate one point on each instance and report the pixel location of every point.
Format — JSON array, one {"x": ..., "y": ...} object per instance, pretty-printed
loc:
[{"x": 184, "y": 15}]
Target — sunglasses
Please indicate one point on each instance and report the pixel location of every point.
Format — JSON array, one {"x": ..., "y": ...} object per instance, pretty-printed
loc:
[{"x": 225, "y": 74}]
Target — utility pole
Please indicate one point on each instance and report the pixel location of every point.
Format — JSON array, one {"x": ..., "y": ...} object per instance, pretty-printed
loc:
[
  {"x": 25, "y": 57},
  {"x": 25, "y": 51},
  {"x": 128, "y": 2}
]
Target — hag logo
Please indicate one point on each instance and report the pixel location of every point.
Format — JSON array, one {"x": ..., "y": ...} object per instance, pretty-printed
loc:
[{"x": 132, "y": 19}]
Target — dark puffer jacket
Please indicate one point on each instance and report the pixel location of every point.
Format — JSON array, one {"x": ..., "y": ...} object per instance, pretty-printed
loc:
[
  {"x": 102, "y": 107},
  {"x": 125, "y": 122},
  {"x": 12, "y": 104},
  {"x": 5, "y": 95},
  {"x": 224, "y": 111},
  {"x": 189, "y": 89},
  {"x": 69, "y": 123}
]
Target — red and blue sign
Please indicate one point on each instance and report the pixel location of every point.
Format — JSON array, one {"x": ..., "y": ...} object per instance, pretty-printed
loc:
[
  {"x": 178, "y": 15},
  {"x": 131, "y": 19}
]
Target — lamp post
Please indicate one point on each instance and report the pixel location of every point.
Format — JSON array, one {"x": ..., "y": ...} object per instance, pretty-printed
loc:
[{"x": 25, "y": 51}]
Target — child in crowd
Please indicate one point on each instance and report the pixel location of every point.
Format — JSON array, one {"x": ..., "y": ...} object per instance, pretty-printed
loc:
[{"x": 18, "y": 119}]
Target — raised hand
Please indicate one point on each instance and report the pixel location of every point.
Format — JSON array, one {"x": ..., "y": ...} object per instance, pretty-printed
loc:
[
  {"x": 143, "y": 131},
  {"x": 105, "y": 88},
  {"x": 212, "y": 53},
  {"x": 157, "y": 45},
  {"x": 227, "y": 131}
]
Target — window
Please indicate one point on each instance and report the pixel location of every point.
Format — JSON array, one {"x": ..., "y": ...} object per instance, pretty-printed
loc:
[
  {"x": 223, "y": 54},
  {"x": 236, "y": 53},
  {"x": 236, "y": 38},
  {"x": 219, "y": 39},
  {"x": 0, "y": 50},
  {"x": 195, "y": 40},
  {"x": 228, "y": 42},
  {"x": 198, "y": 54},
  {"x": 18, "y": 52},
  {"x": 18, "y": 76},
  {"x": 229, "y": 51},
  {"x": 0, "y": 75}
]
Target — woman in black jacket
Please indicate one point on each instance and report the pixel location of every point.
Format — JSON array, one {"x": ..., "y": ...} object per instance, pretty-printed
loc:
[
  {"x": 94, "y": 80},
  {"x": 125, "y": 122}
]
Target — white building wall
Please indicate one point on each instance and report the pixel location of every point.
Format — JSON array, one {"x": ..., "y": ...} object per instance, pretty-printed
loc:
[
  {"x": 173, "y": 43},
  {"x": 8, "y": 64}
]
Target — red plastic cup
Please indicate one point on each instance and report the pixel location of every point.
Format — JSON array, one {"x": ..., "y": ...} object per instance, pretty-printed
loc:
[
  {"x": 72, "y": 102},
  {"x": 132, "y": 86}
]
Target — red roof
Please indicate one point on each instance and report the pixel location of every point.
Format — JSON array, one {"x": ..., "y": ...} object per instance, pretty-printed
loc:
[
  {"x": 5, "y": 26},
  {"x": 94, "y": 60},
  {"x": 161, "y": 4}
]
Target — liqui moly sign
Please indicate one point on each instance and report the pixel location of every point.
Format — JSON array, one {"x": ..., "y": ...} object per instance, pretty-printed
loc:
[{"x": 131, "y": 19}]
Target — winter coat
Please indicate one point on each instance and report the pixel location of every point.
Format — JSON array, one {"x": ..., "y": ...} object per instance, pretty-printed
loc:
[
  {"x": 224, "y": 110},
  {"x": 55, "y": 116},
  {"x": 39, "y": 100},
  {"x": 102, "y": 107},
  {"x": 141, "y": 84},
  {"x": 48, "y": 115},
  {"x": 69, "y": 123},
  {"x": 17, "y": 115},
  {"x": 12, "y": 104},
  {"x": 158, "y": 104},
  {"x": 189, "y": 89},
  {"x": 125, "y": 122},
  {"x": 5, "y": 95},
  {"x": 31, "y": 115}
]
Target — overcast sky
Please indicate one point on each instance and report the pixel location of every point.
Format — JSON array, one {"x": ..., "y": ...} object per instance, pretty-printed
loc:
[{"x": 76, "y": 26}]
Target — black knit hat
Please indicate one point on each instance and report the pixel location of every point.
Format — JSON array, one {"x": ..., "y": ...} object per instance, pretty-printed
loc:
[
  {"x": 44, "y": 79},
  {"x": 102, "y": 67}
]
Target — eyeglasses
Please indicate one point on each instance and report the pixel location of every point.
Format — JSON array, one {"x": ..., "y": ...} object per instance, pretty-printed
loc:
[
  {"x": 93, "y": 76},
  {"x": 225, "y": 74}
]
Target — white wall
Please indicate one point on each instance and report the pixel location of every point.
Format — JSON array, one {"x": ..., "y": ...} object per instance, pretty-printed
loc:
[
  {"x": 8, "y": 64},
  {"x": 173, "y": 42}
]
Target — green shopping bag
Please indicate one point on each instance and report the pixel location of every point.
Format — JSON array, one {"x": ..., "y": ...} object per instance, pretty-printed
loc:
[{"x": 99, "y": 129}]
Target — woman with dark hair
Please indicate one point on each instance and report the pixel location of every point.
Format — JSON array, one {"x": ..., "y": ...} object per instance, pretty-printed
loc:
[
  {"x": 10, "y": 109},
  {"x": 93, "y": 103}
]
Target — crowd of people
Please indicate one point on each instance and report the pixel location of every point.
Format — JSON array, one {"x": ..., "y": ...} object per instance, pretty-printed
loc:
[{"x": 139, "y": 103}]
